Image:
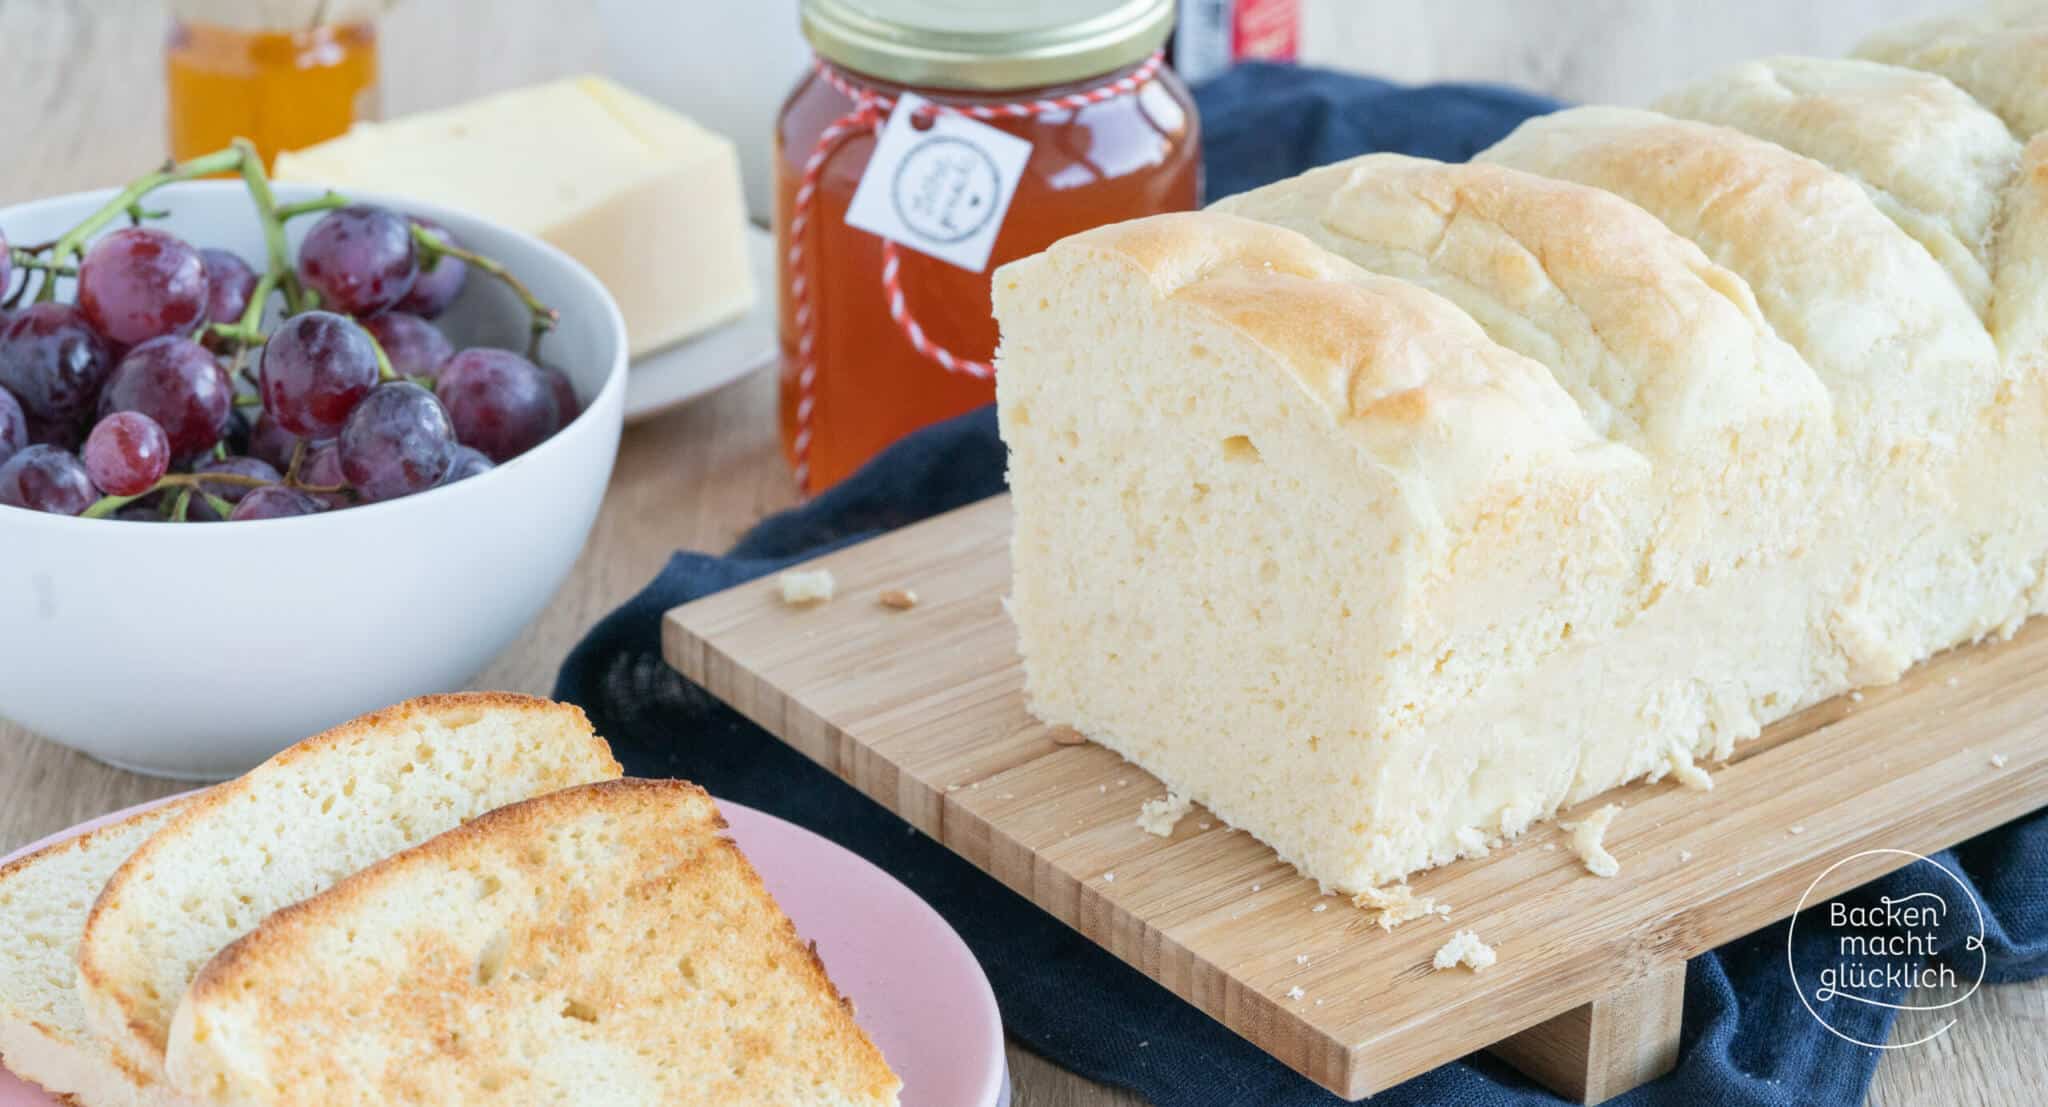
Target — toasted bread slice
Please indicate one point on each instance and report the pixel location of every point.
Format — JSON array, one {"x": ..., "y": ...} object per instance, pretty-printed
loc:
[
  {"x": 44, "y": 898},
  {"x": 600, "y": 947},
  {"x": 298, "y": 823}
]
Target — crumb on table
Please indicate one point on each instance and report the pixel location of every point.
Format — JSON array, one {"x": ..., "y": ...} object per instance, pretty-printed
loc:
[
  {"x": 801, "y": 587},
  {"x": 1589, "y": 841},
  {"x": 899, "y": 599},
  {"x": 1395, "y": 904},
  {"x": 1158, "y": 816},
  {"x": 1465, "y": 949}
]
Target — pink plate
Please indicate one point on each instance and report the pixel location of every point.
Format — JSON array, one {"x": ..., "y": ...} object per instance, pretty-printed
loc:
[{"x": 916, "y": 989}]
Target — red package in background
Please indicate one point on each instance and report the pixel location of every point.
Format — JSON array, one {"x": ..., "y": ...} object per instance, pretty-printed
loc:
[{"x": 1214, "y": 35}]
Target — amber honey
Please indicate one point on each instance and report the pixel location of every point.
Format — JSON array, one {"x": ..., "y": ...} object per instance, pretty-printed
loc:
[
  {"x": 279, "y": 89},
  {"x": 1122, "y": 158}
]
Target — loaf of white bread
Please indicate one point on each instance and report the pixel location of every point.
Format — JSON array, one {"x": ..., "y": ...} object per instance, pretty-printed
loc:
[{"x": 1388, "y": 509}]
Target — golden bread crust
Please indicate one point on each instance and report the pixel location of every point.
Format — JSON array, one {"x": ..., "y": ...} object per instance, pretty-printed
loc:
[
  {"x": 126, "y": 962},
  {"x": 578, "y": 906}
]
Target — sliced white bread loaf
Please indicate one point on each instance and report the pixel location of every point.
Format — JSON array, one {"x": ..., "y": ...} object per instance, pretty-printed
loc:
[
  {"x": 1997, "y": 52},
  {"x": 601, "y": 946},
  {"x": 44, "y": 898},
  {"x": 1950, "y": 175},
  {"x": 1857, "y": 229},
  {"x": 1915, "y": 375},
  {"x": 1932, "y": 159},
  {"x": 1268, "y": 503},
  {"x": 1663, "y": 351},
  {"x": 298, "y": 823},
  {"x": 1666, "y": 353},
  {"x": 1912, "y": 567}
]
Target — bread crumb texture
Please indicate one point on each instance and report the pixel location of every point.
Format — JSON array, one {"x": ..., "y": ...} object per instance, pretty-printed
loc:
[
  {"x": 899, "y": 599},
  {"x": 1395, "y": 904},
  {"x": 44, "y": 899},
  {"x": 1589, "y": 840},
  {"x": 606, "y": 944},
  {"x": 801, "y": 588},
  {"x": 1393, "y": 508},
  {"x": 1463, "y": 948},
  {"x": 294, "y": 825},
  {"x": 1159, "y": 816}
]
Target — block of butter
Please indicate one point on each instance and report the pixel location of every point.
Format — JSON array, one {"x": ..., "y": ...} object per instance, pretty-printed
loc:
[{"x": 645, "y": 198}]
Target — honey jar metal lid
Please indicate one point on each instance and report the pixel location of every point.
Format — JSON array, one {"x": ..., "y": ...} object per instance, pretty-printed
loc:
[{"x": 988, "y": 45}]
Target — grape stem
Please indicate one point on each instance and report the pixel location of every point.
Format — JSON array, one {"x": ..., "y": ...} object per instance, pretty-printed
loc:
[
  {"x": 107, "y": 505},
  {"x": 195, "y": 480},
  {"x": 273, "y": 227},
  {"x": 24, "y": 259},
  {"x": 384, "y": 370},
  {"x": 326, "y": 202},
  {"x": 248, "y": 330},
  {"x": 240, "y": 157},
  {"x": 68, "y": 245},
  {"x": 19, "y": 255},
  {"x": 186, "y": 483},
  {"x": 434, "y": 247}
]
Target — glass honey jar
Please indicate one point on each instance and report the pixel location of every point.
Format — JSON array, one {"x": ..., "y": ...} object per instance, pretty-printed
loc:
[
  {"x": 280, "y": 73},
  {"x": 883, "y": 334}
]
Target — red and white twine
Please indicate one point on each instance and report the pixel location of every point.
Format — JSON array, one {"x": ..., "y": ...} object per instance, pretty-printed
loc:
[{"x": 871, "y": 110}]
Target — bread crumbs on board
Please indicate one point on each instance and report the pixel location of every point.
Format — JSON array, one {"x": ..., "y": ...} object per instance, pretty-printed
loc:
[
  {"x": 1589, "y": 841},
  {"x": 1395, "y": 904},
  {"x": 1464, "y": 948},
  {"x": 1159, "y": 816},
  {"x": 801, "y": 588},
  {"x": 1688, "y": 772}
]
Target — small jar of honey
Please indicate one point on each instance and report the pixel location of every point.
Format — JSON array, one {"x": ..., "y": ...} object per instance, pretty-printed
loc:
[
  {"x": 280, "y": 73},
  {"x": 886, "y": 321}
]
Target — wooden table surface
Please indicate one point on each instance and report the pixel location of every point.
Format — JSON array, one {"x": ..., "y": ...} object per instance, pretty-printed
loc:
[{"x": 83, "y": 108}]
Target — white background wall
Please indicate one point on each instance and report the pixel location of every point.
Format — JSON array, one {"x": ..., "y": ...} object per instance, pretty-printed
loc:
[
  {"x": 730, "y": 61},
  {"x": 1607, "y": 51}
]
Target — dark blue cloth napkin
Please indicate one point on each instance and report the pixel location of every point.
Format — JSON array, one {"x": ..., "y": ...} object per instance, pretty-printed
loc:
[{"x": 1747, "y": 1038}]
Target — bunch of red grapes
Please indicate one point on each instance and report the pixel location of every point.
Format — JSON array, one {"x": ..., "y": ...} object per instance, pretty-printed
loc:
[{"x": 148, "y": 397}]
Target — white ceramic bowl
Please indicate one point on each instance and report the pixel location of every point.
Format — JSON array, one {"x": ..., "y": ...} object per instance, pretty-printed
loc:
[{"x": 197, "y": 650}]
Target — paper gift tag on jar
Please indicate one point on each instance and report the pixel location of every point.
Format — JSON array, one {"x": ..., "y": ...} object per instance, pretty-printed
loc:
[{"x": 939, "y": 183}]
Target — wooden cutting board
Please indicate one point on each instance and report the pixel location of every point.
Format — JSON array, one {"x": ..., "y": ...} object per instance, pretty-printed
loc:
[{"x": 923, "y": 710}]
